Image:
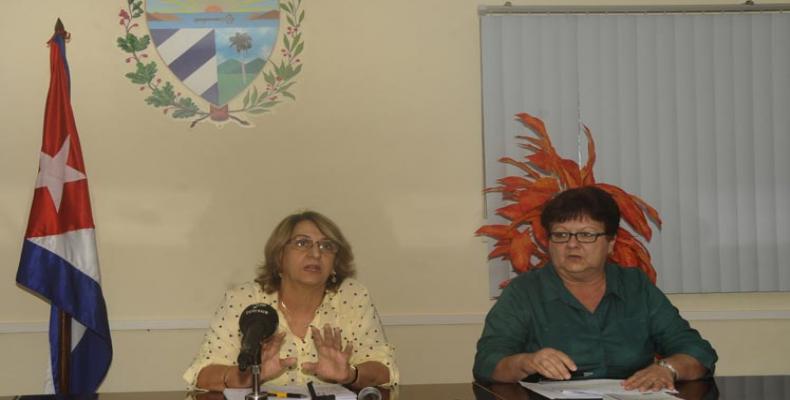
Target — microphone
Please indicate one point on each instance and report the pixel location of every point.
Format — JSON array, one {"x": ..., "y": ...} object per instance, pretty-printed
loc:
[
  {"x": 256, "y": 323},
  {"x": 369, "y": 393}
]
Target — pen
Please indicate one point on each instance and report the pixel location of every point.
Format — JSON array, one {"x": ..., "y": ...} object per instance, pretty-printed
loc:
[
  {"x": 581, "y": 374},
  {"x": 311, "y": 389},
  {"x": 287, "y": 395},
  {"x": 578, "y": 374}
]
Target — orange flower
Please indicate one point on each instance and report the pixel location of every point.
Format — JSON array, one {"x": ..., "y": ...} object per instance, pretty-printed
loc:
[{"x": 523, "y": 241}]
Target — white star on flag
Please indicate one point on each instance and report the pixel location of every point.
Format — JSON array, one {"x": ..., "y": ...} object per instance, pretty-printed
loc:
[{"x": 53, "y": 172}]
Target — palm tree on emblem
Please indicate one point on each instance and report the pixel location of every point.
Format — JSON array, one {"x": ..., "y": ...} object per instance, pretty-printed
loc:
[{"x": 242, "y": 42}]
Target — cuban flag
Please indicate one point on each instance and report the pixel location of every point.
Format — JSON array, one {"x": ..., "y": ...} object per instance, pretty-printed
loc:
[{"x": 59, "y": 260}]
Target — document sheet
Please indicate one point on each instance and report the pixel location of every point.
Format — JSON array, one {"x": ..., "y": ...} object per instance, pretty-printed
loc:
[
  {"x": 609, "y": 389},
  {"x": 340, "y": 392}
]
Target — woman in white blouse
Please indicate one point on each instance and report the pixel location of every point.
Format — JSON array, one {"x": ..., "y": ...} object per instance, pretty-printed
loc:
[{"x": 329, "y": 329}]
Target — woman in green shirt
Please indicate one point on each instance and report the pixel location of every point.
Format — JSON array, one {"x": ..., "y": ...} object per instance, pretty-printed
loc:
[{"x": 579, "y": 316}]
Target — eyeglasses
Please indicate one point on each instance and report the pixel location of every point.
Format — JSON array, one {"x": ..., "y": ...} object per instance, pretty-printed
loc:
[
  {"x": 325, "y": 246},
  {"x": 581, "y": 237}
]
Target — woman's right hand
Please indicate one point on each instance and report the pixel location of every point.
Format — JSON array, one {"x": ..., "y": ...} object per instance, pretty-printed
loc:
[
  {"x": 272, "y": 365},
  {"x": 550, "y": 363}
]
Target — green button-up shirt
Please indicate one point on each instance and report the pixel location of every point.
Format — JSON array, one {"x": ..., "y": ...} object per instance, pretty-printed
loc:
[{"x": 633, "y": 323}]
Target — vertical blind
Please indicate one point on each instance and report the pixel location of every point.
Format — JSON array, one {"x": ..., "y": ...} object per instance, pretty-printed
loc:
[{"x": 690, "y": 111}]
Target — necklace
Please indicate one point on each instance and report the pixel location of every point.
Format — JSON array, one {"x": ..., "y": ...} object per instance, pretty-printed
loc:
[{"x": 296, "y": 326}]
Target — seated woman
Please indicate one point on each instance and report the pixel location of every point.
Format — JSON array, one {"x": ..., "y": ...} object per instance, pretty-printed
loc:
[
  {"x": 329, "y": 328},
  {"x": 579, "y": 316}
]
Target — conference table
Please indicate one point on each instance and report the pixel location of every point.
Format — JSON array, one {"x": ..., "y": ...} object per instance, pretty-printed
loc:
[{"x": 770, "y": 387}]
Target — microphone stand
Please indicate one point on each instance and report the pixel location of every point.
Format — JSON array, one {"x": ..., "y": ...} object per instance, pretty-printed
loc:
[{"x": 256, "y": 383}]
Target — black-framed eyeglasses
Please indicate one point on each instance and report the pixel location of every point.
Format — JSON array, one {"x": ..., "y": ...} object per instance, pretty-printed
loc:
[
  {"x": 581, "y": 237},
  {"x": 325, "y": 246}
]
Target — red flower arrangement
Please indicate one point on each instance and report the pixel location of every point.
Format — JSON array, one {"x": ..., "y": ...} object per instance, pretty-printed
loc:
[{"x": 524, "y": 241}]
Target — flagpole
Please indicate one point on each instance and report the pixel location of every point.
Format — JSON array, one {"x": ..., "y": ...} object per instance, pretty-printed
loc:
[
  {"x": 64, "y": 344},
  {"x": 64, "y": 319}
]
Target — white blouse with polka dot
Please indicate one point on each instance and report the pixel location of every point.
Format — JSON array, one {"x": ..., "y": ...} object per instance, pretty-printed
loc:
[{"x": 350, "y": 309}]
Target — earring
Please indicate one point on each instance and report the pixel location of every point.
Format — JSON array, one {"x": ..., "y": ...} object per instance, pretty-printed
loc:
[{"x": 334, "y": 277}]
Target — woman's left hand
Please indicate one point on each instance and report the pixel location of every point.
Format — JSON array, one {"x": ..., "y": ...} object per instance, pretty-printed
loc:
[
  {"x": 651, "y": 379},
  {"x": 332, "y": 364}
]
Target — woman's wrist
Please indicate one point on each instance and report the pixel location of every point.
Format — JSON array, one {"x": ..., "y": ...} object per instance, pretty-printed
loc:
[
  {"x": 354, "y": 375},
  {"x": 670, "y": 368},
  {"x": 225, "y": 377},
  {"x": 232, "y": 377}
]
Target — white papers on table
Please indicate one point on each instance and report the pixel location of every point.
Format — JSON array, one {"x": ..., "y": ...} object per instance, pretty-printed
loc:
[
  {"x": 610, "y": 389},
  {"x": 340, "y": 392}
]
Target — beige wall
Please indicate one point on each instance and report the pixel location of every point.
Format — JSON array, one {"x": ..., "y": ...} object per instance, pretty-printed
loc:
[{"x": 384, "y": 138}]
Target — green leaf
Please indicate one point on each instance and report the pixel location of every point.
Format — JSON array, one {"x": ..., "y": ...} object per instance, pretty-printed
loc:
[
  {"x": 186, "y": 102},
  {"x": 143, "y": 43},
  {"x": 301, "y": 16},
  {"x": 288, "y": 95},
  {"x": 161, "y": 97},
  {"x": 286, "y": 42},
  {"x": 137, "y": 9},
  {"x": 132, "y": 43},
  {"x": 289, "y": 72},
  {"x": 262, "y": 99},
  {"x": 290, "y": 20},
  {"x": 298, "y": 49},
  {"x": 181, "y": 113},
  {"x": 186, "y": 108},
  {"x": 269, "y": 78},
  {"x": 144, "y": 74},
  {"x": 286, "y": 7},
  {"x": 246, "y": 99},
  {"x": 280, "y": 70},
  {"x": 257, "y": 111},
  {"x": 154, "y": 101},
  {"x": 254, "y": 97},
  {"x": 124, "y": 45},
  {"x": 297, "y": 38}
]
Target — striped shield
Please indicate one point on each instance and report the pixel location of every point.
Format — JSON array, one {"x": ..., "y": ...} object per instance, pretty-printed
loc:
[{"x": 215, "y": 48}]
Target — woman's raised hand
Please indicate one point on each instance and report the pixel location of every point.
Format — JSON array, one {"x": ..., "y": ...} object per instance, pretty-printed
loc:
[
  {"x": 332, "y": 364},
  {"x": 272, "y": 365}
]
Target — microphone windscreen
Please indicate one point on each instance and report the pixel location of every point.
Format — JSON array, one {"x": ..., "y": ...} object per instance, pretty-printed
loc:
[
  {"x": 369, "y": 393},
  {"x": 259, "y": 315},
  {"x": 256, "y": 324}
]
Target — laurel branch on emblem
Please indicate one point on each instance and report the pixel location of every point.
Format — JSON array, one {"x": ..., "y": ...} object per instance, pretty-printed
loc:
[{"x": 279, "y": 77}]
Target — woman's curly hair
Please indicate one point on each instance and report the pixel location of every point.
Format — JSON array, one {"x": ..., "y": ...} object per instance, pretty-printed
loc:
[{"x": 269, "y": 271}]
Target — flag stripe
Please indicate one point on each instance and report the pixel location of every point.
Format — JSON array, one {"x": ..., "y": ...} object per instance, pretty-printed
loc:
[
  {"x": 76, "y": 247},
  {"x": 160, "y": 35},
  {"x": 60, "y": 282},
  {"x": 212, "y": 94},
  {"x": 178, "y": 42},
  {"x": 194, "y": 57},
  {"x": 203, "y": 78}
]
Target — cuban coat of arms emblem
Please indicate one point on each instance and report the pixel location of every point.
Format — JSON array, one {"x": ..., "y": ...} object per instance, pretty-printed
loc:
[{"x": 216, "y": 50}]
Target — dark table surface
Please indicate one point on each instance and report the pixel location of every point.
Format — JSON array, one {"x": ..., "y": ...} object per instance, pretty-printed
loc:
[{"x": 772, "y": 387}]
